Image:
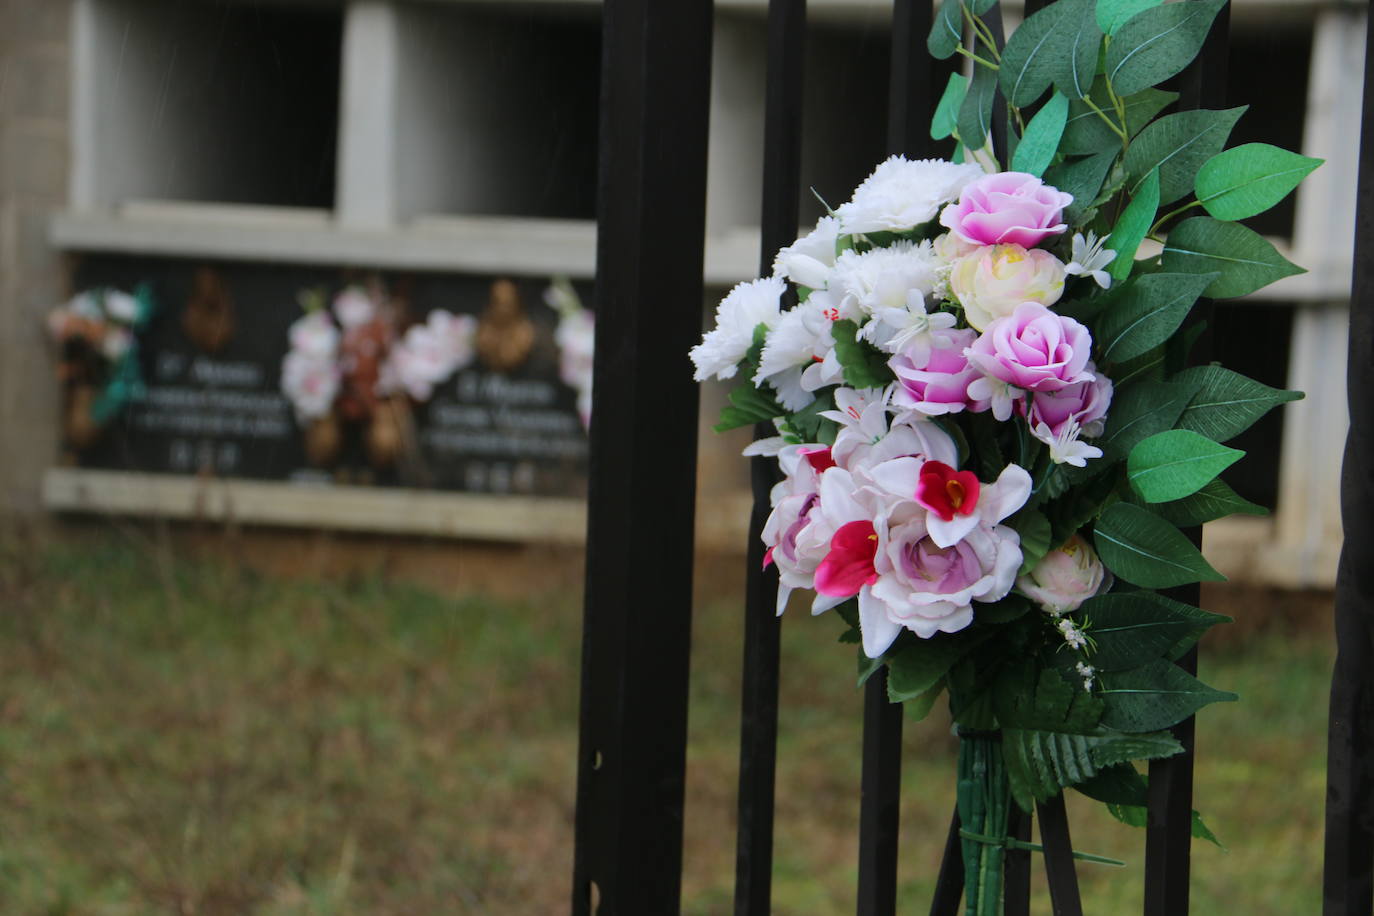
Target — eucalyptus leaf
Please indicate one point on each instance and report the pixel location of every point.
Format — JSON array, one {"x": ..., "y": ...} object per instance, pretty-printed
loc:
[
  {"x": 1178, "y": 145},
  {"x": 1142, "y": 410},
  {"x": 1215, "y": 500},
  {"x": 1158, "y": 43},
  {"x": 1083, "y": 179},
  {"x": 975, "y": 114},
  {"x": 1130, "y": 630},
  {"x": 947, "y": 32},
  {"x": 1037, "y": 147},
  {"x": 1113, "y": 14},
  {"x": 1035, "y": 54},
  {"x": 1147, "y": 313},
  {"x": 1143, "y": 549},
  {"x": 1226, "y": 403},
  {"x": 1154, "y": 697},
  {"x": 1087, "y": 133},
  {"x": 1078, "y": 63},
  {"x": 1249, "y": 179},
  {"x": 1176, "y": 463},
  {"x": 947, "y": 112},
  {"x": 1134, "y": 223},
  {"x": 1243, "y": 260}
]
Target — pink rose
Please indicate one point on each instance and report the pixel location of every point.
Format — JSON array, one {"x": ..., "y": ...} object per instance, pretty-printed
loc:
[
  {"x": 1008, "y": 207},
  {"x": 1034, "y": 349},
  {"x": 1064, "y": 578},
  {"x": 1084, "y": 403},
  {"x": 940, "y": 385}
]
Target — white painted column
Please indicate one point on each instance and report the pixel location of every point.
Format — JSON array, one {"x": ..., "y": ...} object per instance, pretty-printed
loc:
[
  {"x": 366, "y": 184},
  {"x": 1308, "y": 528}
]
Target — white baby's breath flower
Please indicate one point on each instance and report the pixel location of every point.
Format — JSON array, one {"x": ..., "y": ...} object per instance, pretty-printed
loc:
[
  {"x": 746, "y": 306},
  {"x": 1088, "y": 257},
  {"x": 902, "y": 194},
  {"x": 1087, "y": 673},
  {"x": 1073, "y": 636}
]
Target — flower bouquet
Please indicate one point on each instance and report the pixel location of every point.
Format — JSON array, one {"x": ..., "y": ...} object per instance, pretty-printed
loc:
[
  {"x": 989, "y": 433},
  {"x": 97, "y": 331}
]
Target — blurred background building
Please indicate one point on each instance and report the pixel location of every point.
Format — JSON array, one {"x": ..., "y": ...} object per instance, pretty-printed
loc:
[{"x": 445, "y": 145}]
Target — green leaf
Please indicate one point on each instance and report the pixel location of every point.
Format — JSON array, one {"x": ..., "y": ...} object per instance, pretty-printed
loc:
[
  {"x": 748, "y": 405},
  {"x": 1147, "y": 313},
  {"x": 1242, "y": 259},
  {"x": 1042, "y": 135},
  {"x": 1083, "y": 179},
  {"x": 1154, "y": 696},
  {"x": 947, "y": 33},
  {"x": 1249, "y": 179},
  {"x": 1027, "y": 696},
  {"x": 864, "y": 366},
  {"x": 1087, "y": 133},
  {"x": 1130, "y": 629},
  {"x": 1158, "y": 43},
  {"x": 1215, "y": 500},
  {"x": 1142, "y": 410},
  {"x": 922, "y": 663},
  {"x": 1035, "y": 55},
  {"x": 1226, "y": 403},
  {"x": 919, "y": 707},
  {"x": 1202, "y": 621},
  {"x": 1178, "y": 145},
  {"x": 1035, "y": 533},
  {"x": 1078, "y": 63},
  {"x": 1113, "y": 14},
  {"x": 975, "y": 114},
  {"x": 1176, "y": 463},
  {"x": 1008, "y": 609},
  {"x": 1135, "y": 222},
  {"x": 947, "y": 112},
  {"x": 1144, "y": 549},
  {"x": 1042, "y": 763},
  {"x": 1119, "y": 784}
]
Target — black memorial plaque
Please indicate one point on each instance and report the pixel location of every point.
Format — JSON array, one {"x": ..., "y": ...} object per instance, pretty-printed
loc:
[{"x": 211, "y": 360}]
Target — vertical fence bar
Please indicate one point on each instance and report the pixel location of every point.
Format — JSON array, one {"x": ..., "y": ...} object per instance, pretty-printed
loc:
[
  {"x": 1017, "y": 865},
  {"x": 949, "y": 883},
  {"x": 655, "y": 83},
  {"x": 1063, "y": 879},
  {"x": 1348, "y": 885},
  {"x": 1168, "y": 834},
  {"x": 759, "y": 703}
]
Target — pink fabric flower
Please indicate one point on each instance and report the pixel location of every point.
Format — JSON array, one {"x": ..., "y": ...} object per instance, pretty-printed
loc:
[
  {"x": 1008, "y": 207},
  {"x": 940, "y": 385},
  {"x": 1084, "y": 403},
  {"x": 1065, "y": 578},
  {"x": 1034, "y": 349}
]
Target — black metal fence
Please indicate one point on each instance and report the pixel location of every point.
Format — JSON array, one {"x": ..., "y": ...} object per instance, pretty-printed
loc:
[{"x": 631, "y": 768}]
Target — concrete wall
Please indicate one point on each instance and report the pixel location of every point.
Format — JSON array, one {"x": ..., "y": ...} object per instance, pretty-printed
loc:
[{"x": 34, "y": 153}]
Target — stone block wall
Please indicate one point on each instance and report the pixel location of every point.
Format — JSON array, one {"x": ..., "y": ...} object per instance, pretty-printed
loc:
[{"x": 34, "y": 155}]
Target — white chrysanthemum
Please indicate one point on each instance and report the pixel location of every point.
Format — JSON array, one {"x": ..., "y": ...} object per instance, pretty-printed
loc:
[
  {"x": 901, "y": 276},
  {"x": 902, "y": 194},
  {"x": 746, "y": 307},
  {"x": 807, "y": 261}
]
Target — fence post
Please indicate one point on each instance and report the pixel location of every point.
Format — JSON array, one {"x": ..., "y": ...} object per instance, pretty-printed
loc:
[
  {"x": 655, "y": 83},
  {"x": 1348, "y": 885},
  {"x": 759, "y": 702}
]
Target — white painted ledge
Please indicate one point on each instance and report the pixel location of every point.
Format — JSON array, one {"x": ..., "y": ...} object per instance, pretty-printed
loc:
[{"x": 381, "y": 510}]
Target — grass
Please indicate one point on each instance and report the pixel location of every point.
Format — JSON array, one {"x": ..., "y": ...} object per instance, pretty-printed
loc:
[{"x": 187, "y": 736}]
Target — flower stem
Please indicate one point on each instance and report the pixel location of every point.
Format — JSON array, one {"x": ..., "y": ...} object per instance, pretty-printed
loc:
[
  {"x": 1170, "y": 215},
  {"x": 976, "y": 59}
]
